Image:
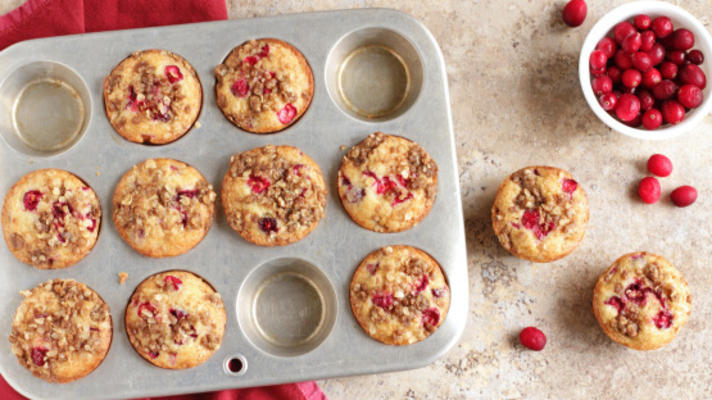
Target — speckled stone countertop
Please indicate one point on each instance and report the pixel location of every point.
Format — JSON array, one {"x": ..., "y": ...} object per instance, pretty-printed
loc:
[{"x": 516, "y": 101}]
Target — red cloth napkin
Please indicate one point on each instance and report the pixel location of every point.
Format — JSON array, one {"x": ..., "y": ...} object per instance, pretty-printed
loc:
[{"x": 42, "y": 18}]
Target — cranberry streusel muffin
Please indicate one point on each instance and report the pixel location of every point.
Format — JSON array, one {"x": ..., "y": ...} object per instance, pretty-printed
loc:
[
  {"x": 642, "y": 301},
  {"x": 540, "y": 214},
  {"x": 273, "y": 195},
  {"x": 399, "y": 295},
  {"x": 61, "y": 331},
  {"x": 387, "y": 183},
  {"x": 50, "y": 219},
  {"x": 264, "y": 85},
  {"x": 152, "y": 96},
  {"x": 163, "y": 207},
  {"x": 175, "y": 320}
]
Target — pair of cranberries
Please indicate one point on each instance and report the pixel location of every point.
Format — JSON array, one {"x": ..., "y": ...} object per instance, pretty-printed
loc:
[
  {"x": 649, "y": 187},
  {"x": 645, "y": 73}
]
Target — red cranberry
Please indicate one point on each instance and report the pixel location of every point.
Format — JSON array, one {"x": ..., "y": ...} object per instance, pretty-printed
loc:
[
  {"x": 642, "y": 22},
  {"x": 631, "y": 43},
  {"x": 173, "y": 73},
  {"x": 651, "y": 78},
  {"x": 641, "y": 61},
  {"x": 683, "y": 196},
  {"x": 631, "y": 78},
  {"x": 659, "y": 165},
  {"x": 692, "y": 74},
  {"x": 383, "y": 300},
  {"x": 635, "y": 122},
  {"x": 696, "y": 57},
  {"x": 683, "y": 39},
  {"x": 663, "y": 320},
  {"x": 623, "y": 30},
  {"x": 598, "y": 71},
  {"x": 608, "y": 101},
  {"x": 602, "y": 85},
  {"x": 649, "y": 190},
  {"x": 608, "y": 46},
  {"x": 646, "y": 100},
  {"x": 689, "y": 96},
  {"x": 662, "y": 26},
  {"x": 431, "y": 317},
  {"x": 30, "y": 199},
  {"x": 240, "y": 88},
  {"x": 673, "y": 112},
  {"x": 288, "y": 112},
  {"x": 664, "y": 90},
  {"x": 614, "y": 73},
  {"x": 258, "y": 184},
  {"x": 574, "y": 13},
  {"x": 647, "y": 40},
  {"x": 173, "y": 280},
  {"x": 628, "y": 107},
  {"x": 657, "y": 54},
  {"x": 622, "y": 60},
  {"x": 38, "y": 355},
  {"x": 569, "y": 186},
  {"x": 532, "y": 338},
  {"x": 676, "y": 56},
  {"x": 668, "y": 70},
  {"x": 598, "y": 59},
  {"x": 652, "y": 119},
  {"x": 268, "y": 225}
]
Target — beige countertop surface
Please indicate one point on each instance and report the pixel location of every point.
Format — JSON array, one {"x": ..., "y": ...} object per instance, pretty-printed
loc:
[{"x": 516, "y": 101}]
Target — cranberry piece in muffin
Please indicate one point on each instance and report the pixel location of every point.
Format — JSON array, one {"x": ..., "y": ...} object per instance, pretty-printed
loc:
[
  {"x": 387, "y": 183},
  {"x": 273, "y": 195},
  {"x": 540, "y": 213},
  {"x": 399, "y": 295},
  {"x": 163, "y": 207},
  {"x": 175, "y": 320},
  {"x": 152, "y": 96},
  {"x": 642, "y": 301},
  {"x": 51, "y": 219},
  {"x": 264, "y": 85},
  {"x": 61, "y": 331}
]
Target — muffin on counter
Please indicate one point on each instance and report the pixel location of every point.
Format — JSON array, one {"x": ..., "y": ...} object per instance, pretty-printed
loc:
[
  {"x": 387, "y": 183},
  {"x": 152, "y": 96},
  {"x": 61, "y": 331},
  {"x": 641, "y": 301},
  {"x": 51, "y": 219},
  {"x": 399, "y": 295},
  {"x": 264, "y": 85},
  {"x": 540, "y": 214},
  {"x": 175, "y": 320},
  {"x": 273, "y": 195},
  {"x": 163, "y": 207}
]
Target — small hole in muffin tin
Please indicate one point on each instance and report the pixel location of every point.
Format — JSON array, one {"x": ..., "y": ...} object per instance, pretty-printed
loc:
[
  {"x": 47, "y": 105},
  {"x": 235, "y": 365},
  {"x": 287, "y": 307},
  {"x": 374, "y": 74}
]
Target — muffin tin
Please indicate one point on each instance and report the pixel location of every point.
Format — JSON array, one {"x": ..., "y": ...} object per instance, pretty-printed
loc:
[{"x": 288, "y": 307}]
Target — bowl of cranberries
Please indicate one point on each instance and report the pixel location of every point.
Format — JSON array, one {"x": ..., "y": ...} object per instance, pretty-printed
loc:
[{"x": 643, "y": 70}]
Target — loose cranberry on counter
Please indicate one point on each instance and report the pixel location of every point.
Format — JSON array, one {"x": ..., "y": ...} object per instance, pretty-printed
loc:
[
  {"x": 668, "y": 70},
  {"x": 628, "y": 107},
  {"x": 608, "y": 46},
  {"x": 649, "y": 190},
  {"x": 574, "y": 13},
  {"x": 642, "y": 22},
  {"x": 622, "y": 30},
  {"x": 689, "y": 96},
  {"x": 662, "y": 26},
  {"x": 532, "y": 338},
  {"x": 696, "y": 57},
  {"x": 608, "y": 101},
  {"x": 683, "y": 196},
  {"x": 652, "y": 119},
  {"x": 692, "y": 74},
  {"x": 683, "y": 39},
  {"x": 673, "y": 112},
  {"x": 659, "y": 165}
]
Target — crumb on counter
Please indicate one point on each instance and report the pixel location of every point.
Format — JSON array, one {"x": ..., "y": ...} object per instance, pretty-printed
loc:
[
  {"x": 197, "y": 125},
  {"x": 122, "y": 277},
  {"x": 342, "y": 147}
]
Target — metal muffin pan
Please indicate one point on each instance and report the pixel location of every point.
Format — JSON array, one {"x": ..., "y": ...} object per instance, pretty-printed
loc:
[{"x": 262, "y": 288}]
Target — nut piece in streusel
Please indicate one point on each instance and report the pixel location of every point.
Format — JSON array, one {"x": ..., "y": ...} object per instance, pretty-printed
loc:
[
  {"x": 399, "y": 295},
  {"x": 264, "y": 85},
  {"x": 163, "y": 207},
  {"x": 51, "y": 219},
  {"x": 540, "y": 213},
  {"x": 273, "y": 195},
  {"x": 61, "y": 331},
  {"x": 387, "y": 183},
  {"x": 642, "y": 301},
  {"x": 175, "y": 320},
  {"x": 152, "y": 96}
]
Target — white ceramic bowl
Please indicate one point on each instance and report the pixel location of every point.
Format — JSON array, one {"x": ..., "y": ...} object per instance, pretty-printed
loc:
[{"x": 680, "y": 19}]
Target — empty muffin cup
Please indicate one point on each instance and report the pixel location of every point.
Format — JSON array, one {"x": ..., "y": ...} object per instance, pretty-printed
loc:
[{"x": 46, "y": 107}]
